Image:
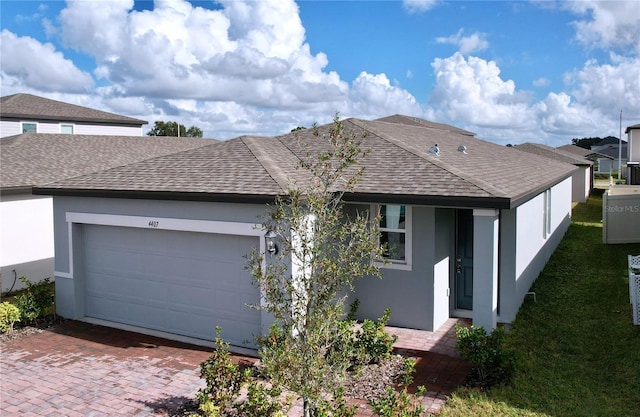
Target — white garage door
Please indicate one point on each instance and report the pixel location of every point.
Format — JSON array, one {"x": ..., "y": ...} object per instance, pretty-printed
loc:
[{"x": 177, "y": 282}]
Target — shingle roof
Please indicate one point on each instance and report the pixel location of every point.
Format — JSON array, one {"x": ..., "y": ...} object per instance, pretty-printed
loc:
[
  {"x": 632, "y": 127},
  {"x": 416, "y": 121},
  {"x": 612, "y": 150},
  {"x": 35, "y": 159},
  {"x": 553, "y": 153},
  {"x": 585, "y": 153},
  {"x": 28, "y": 106},
  {"x": 398, "y": 167},
  {"x": 224, "y": 168}
]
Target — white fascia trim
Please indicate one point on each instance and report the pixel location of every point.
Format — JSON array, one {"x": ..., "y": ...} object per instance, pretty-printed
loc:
[
  {"x": 161, "y": 223},
  {"x": 67, "y": 275},
  {"x": 391, "y": 265},
  {"x": 486, "y": 213},
  {"x": 164, "y": 223}
]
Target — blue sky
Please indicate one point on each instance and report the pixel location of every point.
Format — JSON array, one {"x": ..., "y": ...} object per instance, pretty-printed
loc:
[{"x": 540, "y": 71}]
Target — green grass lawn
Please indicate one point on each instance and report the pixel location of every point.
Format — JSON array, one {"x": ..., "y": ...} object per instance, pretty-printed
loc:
[{"x": 578, "y": 351}]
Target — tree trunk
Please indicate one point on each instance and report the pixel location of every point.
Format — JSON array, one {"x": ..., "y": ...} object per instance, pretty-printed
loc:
[{"x": 306, "y": 408}]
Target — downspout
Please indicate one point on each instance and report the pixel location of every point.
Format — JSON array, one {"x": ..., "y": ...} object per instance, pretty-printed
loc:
[{"x": 620, "y": 149}]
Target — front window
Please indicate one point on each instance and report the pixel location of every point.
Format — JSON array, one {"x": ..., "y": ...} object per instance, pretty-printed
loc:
[
  {"x": 66, "y": 129},
  {"x": 29, "y": 127},
  {"x": 395, "y": 234}
]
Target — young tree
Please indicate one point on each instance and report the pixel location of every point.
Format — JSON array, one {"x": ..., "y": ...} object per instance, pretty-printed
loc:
[
  {"x": 161, "y": 128},
  {"x": 322, "y": 251}
]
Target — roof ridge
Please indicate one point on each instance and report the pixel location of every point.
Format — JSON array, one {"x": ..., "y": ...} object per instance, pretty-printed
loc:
[
  {"x": 268, "y": 163},
  {"x": 45, "y": 108},
  {"x": 573, "y": 157},
  {"x": 425, "y": 155},
  {"x": 569, "y": 154}
]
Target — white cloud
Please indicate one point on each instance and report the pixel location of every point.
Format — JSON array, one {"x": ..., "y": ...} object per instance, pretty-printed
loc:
[
  {"x": 467, "y": 44},
  {"x": 607, "y": 24},
  {"x": 541, "y": 82},
  {"x": 608, "y": 87},
  {"x": 471, "y": 90},
  {"x": 373, "y": 96},
  {"x": 558, "y": 115},
  {"x": 34, "y": 65},
  {"x": 419, "y": 6},
  {"x": 470, "y": 93},
  {"x": 244, "y": 68},
  {"x": 249, "y": 52}
]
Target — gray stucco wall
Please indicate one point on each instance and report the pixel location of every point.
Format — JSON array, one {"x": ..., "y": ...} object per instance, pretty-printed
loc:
[
  {"x": 524, "y": 251},
  {"x": 409, "y": 294},
  {"x": 507, "y": 303}
]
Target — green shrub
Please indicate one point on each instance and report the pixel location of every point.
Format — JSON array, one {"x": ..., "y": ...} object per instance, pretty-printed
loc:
[
  {"x": 262, "y": 401},
  {"x": 9, "y": 314},
  {"x": 35, "y": 300},
  {"x": 337, "y": 407},
  {"x": 353, "y": 308},
  {"x": 223, "y": 379},
  {"x": 364, "y": 344},
  {"x": 492, "y": 363},
  {"x": 401, "y": 403},
  {"x": 372, "y": 344}
]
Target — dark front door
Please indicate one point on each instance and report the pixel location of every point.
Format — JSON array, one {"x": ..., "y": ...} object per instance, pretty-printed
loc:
[{"x": 464, "y": 260}]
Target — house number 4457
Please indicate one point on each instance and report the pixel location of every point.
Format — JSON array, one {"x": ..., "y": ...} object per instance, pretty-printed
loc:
[{"x": 153, "y": 223}]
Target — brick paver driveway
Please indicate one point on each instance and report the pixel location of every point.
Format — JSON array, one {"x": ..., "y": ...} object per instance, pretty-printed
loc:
[
  {"x": 78, "y": 369},
  {"x": 82, "y": 370}
]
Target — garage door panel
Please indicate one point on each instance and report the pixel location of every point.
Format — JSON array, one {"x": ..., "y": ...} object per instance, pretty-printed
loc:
[
  {"x": 146, "y": 265},
  {"x": 178, "y": 282}
]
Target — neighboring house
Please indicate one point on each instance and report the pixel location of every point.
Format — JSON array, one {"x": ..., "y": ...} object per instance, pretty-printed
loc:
[
  {"x": 633, "y": 154},
  {"x": 159, "y": 246},
  {"x": 587, "y": 154},
  {"x": 582, "y": 182},
  {"x": 581, "y": 152},
  {"x": 611, "y": 161},
  {"x": 33, "y": 159},
  {"x": 26, "y": 113}
]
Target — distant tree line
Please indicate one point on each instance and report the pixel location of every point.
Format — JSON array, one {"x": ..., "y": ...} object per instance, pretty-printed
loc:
[
  {"x": 161, "y": 128},
  {"x": 587, "y": 143}
]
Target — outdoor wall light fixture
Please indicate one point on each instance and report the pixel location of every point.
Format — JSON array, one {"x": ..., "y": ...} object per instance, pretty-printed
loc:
[{"x": 270, "y": 242}]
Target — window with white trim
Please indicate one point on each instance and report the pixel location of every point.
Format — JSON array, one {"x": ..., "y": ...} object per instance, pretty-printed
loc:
[
  {"x": 29, "y": 127},
  {"x": 395, "y": 234},
  {"x": 66, "y": 129}
]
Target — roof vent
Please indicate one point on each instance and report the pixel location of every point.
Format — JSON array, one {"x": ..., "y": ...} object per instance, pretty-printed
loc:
[
  {"x": 462, "y": 149},
  {"x": 435, "y": 150}
]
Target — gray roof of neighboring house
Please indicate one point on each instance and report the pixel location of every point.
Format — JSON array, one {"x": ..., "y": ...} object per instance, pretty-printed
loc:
[
  {"x": 398, "y": 168},
  {"x": 35, "y": 159},
  {"x": 30, "y": 107},
  {"x": 585, "y": 153},
  {"x": 553, "y": 153},
  {"x": 611, "y": 151},
  {"x": 632, "y": 127}
]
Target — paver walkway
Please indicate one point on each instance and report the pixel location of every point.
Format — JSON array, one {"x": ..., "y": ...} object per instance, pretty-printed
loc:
[{"x": 79, "y": 369}]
